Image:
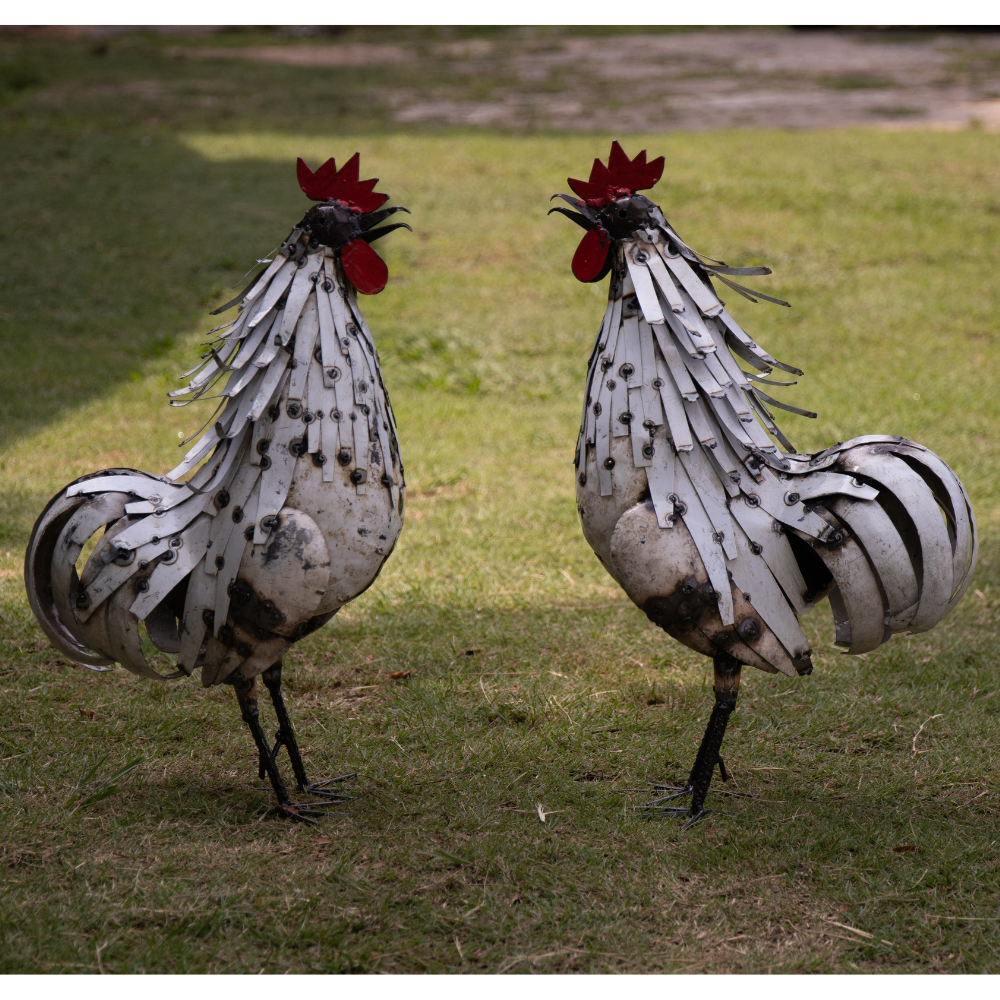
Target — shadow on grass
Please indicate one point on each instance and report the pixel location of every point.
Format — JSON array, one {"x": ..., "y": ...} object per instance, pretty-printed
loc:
[{"x": 113, "y": 248}]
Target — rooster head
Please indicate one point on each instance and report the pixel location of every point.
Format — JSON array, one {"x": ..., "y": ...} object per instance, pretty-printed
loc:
[
  {"x": 350, "y": 208},
  {"x": 609, "y": 208}
]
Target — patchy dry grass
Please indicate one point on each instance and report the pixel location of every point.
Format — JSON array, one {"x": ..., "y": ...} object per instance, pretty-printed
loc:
[{"x": 524, "y": 678}]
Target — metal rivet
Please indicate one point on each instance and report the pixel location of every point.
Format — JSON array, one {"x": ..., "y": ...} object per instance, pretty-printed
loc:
[
  {"x": 791, "y": 499},
  {"x": 248, "y": 533},
  {"x": 597, "y": 409},
  {"x": 357, "y": 476},
  {"x": 265, "y": 462},
  {"x": 262, "y": 446},
  {"x": 143, "y": 564},
  {"x": 752, "y": 500},
  {"x": 220, "y": 561},
  {"x": 169, "y": 556},
  {"x": 749, "y": 629},
  {"x": 208, "y": 617},
  {"x": 319, "y": 459},
  {"x": 344, "y": 456},
  {"x": 335, "y": 415},
  {"x": 176, "y": 542},
  {"x": 222, "y": 499},
  {"x": 269, "y": 522},
  {"x": 386, "y": 481},
  {"x": 756, "y": 548},
  {"x": 237, "y": 515},
  {"x": 609, "y": 463},
  {"x": 647, "y": 451},
  {"x": 362, "y": 387},
  {"x": 610, "y": 385},
  {"x": 657, "y": 383},
  {"x": 582, "y": 479},
  {"x": 294, "y": 409},
  {"x": 625, "y": 418},
  {"x": 626, "y": 370}
]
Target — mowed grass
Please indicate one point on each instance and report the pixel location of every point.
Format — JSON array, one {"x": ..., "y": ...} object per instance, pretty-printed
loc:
[{"x": 530, "y": 680}]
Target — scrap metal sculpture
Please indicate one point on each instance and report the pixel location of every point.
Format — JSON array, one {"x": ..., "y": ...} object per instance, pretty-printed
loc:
[
  {"x": 297, "y": 497},
  {"x": 719, "y": 537}
]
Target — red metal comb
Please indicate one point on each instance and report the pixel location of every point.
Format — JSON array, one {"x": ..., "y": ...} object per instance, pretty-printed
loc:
[
  {"x": 620, "y": 178},
  {"x": 329, "y": 184}
]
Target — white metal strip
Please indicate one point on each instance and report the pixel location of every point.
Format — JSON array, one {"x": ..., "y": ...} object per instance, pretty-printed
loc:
[
  {"x": 303, "y": 285},
  {"x": 679, "y": 374},
  {"x": 302, "y": 356},
  {"x": 166, "y": 576},
  {"x": 232, "y": 556},
  {"x": 643, "y": 282},
  {"x": 775, "y": 550},
  {"x": 704, "y": 299},
  {"x": 638, "y": 433},
  {"x": 713, "y": 496},
  {"x": 660, "y": 477},
  {"x": 703, "y": 533},
  {"x": 275, "y": 290},
  {"x": 269, "y": 384},
  {"x": 752, "y": 576},
  {"x": 673, "y": 407}
]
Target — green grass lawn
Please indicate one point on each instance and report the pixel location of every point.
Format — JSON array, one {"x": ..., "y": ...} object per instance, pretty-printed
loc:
[{"x": 531, "y": 679}]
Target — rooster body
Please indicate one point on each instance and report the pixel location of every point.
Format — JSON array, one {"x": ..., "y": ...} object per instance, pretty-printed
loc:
[
  {"x": 296, "y": 498},
  {"x": 721, "y": 538}
]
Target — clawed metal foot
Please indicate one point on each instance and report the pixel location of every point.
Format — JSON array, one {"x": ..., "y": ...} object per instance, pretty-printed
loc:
[
  {"x": 727, "y": 683},
  {"x": 305, "y": 812},
  {"x": 322, "y": 787}
]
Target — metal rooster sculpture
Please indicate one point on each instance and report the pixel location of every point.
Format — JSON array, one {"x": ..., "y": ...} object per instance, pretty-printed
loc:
[
  {"x": 719, "y": 537},
  {"x": 296, "y": 503}
]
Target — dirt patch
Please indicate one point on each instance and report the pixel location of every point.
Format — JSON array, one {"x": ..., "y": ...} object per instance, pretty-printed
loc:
[
  {"x": 698, "y": 80},
  {"x": 323, "y": 56}
]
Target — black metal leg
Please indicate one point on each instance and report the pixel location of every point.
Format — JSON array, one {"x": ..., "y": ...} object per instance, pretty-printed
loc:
[
  {"x": 246, "y": 695},
  {"x": 285, "y": 735},
  {"x": 727, "y": 686}
]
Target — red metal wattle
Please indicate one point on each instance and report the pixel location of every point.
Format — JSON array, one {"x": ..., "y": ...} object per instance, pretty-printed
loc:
[
  {"x": 591, "y": 255},
  {"x": 364, "y": 268}
]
